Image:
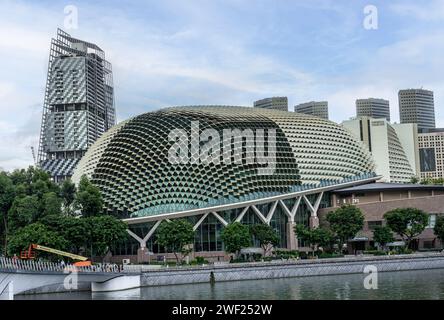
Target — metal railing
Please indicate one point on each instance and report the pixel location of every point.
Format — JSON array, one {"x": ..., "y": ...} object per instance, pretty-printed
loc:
[{"x": 12, "y": 264}]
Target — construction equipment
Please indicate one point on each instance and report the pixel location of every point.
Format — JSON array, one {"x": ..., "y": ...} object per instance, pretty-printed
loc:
[
  {"x": 33, "y": 155},
  {"x": 30, "y": 254}
]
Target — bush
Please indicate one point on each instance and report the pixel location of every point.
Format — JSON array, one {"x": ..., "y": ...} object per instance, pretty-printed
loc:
[
  {"x": 375, "y": 252},
  {"x": 326, "y": 255},
  {"x": 201, "y": 260},
  {"x": 238, "y": 260},
  {"x": 286, "y": 254}
]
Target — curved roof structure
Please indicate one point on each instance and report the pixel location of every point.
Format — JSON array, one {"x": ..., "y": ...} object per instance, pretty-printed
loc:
[{"x": 132, "y": 162}]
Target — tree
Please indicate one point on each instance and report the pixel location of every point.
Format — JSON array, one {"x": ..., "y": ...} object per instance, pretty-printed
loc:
[
  {"x": 407, "y": 222},
  {"x": 414, "y": 180},
  {"x": 76, "y": 231},
  {"x": 176, "y": 236},
  {"x": 345, "y": 222},
  {"x": 104, "y": 231},
  {"x": 314, "y": 237},
  {"x": 25, "y": 210},
  {"x": 68, "y": 193},
  {"x": 266, "y": 236},
  {"x": 52, "y": 204},
  {"x": 439, "y": 228},
  {"x": 7, "y": 194},
  {"x": 383, "y": 235},
  {"x": 35, "y": 233},
  {"x": 235, "y": 237},
  {"x": 88, "y": 198}
]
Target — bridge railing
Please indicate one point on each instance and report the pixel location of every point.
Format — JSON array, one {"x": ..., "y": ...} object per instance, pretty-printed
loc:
[{"x": 45, "y": 266}]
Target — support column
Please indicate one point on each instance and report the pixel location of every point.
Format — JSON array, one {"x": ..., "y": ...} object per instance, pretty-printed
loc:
[
  {"x": 314, "y": 222},
  {"x": 142, "y": 255},
  {"x": 292, "y": 241}
]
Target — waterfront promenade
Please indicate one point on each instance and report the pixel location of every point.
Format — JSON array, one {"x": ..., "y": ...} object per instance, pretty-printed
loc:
[{"x": 31, "y": 277}]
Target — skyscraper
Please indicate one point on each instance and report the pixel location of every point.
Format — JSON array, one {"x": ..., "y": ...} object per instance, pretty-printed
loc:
[
  {"x": 78, "y": 106},
  {"x": 417, "y": 106},
  {"x": 394, "y": 147},
  {"x": 275, "y": 103},
  {"x": 314, "y": 108},
  {"x": 371, "y": 107}
]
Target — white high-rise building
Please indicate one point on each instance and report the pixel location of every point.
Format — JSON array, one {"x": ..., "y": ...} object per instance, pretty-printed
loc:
[{"x": 394, "y": 147}]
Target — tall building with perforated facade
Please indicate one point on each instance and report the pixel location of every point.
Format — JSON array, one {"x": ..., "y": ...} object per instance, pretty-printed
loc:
[{"x": 78, "y": 106}]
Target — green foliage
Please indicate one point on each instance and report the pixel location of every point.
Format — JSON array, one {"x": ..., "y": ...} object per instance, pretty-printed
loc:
[
  {"x": 266, "y": 236},
  {"x": 52, "y": 204},
  {"x": 175, "y": 236},
  {"x": 375, "y": 252},
  {"x": 383, "y": 235},
  {"x": 407, "y": 222},
  {"x": 345, "y": 222},
  {"x": 432, "y": 181},
  {"x": 68, "y": 194},
  {"x": 76, "y": 231},
  {"x": 7, "y": 194},
  {"x": 199, "y": 260},
  {"x": 88, "y": 198},
  {"x": 35, "y": 233},
  {"x": 24, "y": 211},
  {"x": 414, "y": 180},
  {"x": 286, "y": 254},
  {"x": 315, "y": 237},
  {"x": 30, "y": 203},
  {"x": 328, "y": 255},
  {"x": 439, "y": 228},
  {"x": 104, "y": 231},
  {"x": 235, "y": 237}
]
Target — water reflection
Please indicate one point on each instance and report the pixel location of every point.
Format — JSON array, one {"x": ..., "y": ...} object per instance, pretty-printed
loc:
[{"x": 424, "y": 284}]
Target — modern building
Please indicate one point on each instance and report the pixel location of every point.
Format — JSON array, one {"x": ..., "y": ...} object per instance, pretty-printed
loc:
[
  {"x": 142, "y": 181},
  {"x": 78, "y": 106},
  {"x": 374, "y": 108},
  {"x": 274, "y": 103},
  {"x": 431, "y": 152},
  {"x": 394, "y": 147},
  {"x": 375, "y": 199},
  {"x": 314, "y": 108},
  {"x": 417, "y": 106}
]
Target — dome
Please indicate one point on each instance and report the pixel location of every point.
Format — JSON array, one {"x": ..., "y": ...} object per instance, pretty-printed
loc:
[{"x": 132, "y": 162}]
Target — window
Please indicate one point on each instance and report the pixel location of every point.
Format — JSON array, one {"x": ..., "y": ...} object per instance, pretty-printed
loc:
[{"x": 432, "y": 221}]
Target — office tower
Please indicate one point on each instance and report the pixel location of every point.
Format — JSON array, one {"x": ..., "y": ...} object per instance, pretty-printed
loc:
[
  {"x": 371, "y": 107},
  {"x": 417, "y": 106},
  {"x": 78, "y": 106},
  {"x": 431, "y": 152},
  {"x": 275, "y": 103},
  {"x": 315, "y": 108},
  {"x": 394, "y": 147}
]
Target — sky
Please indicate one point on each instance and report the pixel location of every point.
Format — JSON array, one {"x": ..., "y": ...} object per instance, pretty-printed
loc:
[{"x": 231, "y": 52}]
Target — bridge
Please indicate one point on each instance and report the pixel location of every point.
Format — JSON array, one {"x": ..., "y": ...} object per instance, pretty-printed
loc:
[{"x": 29, "y": 276}]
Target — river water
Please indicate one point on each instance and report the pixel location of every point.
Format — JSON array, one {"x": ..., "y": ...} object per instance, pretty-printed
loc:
[{"x": 423, "y": 284}]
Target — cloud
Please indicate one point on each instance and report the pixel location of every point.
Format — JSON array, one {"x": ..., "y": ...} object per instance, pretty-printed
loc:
[
  {"x": 221, "y": 52},
  {"x": 430, "y": 11}
]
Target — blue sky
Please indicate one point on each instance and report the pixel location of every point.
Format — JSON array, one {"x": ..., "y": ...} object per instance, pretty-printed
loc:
[{"x": 230, "y": 52}]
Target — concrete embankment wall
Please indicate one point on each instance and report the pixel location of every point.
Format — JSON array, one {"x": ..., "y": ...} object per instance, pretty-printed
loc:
[
  {"x": 26, "y": 282},
  {"x": 304, "y": 268}
]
